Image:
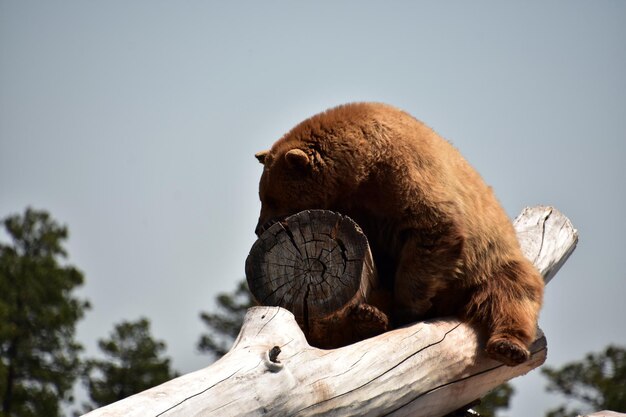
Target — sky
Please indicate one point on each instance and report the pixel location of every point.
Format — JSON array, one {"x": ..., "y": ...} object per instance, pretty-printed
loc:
[{"x": 135, "y": 124}]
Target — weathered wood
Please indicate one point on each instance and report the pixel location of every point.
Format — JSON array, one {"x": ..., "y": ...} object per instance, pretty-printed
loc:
[
  {"x": 426, "y": 369},
  {"x": 318, "y": 265},
  {"x": 547, "y": 238}
]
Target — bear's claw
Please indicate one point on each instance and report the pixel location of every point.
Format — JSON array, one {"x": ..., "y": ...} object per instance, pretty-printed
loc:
[
  {"x": 507, "y": 351},
  {"x": 368, "y": 320}
]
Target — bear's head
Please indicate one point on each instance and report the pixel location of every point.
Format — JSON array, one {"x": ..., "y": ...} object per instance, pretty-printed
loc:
[
  {"x": 319, "y": 164},
  {"x": 294, "y": 178}
]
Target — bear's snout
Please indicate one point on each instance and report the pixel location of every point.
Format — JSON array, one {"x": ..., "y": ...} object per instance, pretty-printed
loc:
[{"x": 263, "y": 226}]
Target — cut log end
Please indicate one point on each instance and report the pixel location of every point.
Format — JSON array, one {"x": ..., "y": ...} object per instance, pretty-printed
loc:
[{"x": 318, "y": 265}]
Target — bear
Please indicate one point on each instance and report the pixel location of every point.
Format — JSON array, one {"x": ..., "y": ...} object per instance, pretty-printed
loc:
[{"x": 441, "y": 241}]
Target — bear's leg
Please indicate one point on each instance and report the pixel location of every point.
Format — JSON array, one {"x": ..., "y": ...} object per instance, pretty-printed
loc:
[
  {"x": 508, "y": 305},
  {"x": 428, "y": 263}
]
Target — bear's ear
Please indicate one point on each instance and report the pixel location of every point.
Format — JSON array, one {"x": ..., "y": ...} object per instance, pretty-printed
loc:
[
  {"x": 261, "y": 156},
  {"x": 297, "y": 158}
]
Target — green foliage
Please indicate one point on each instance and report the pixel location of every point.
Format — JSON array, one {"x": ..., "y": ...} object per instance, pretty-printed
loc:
[
  {"x": 133, "y": 363},
  {"x": 224, "y": 325},
  {"x": 598, "y": 382},
  {"x": 38, "y": 354},
  {"x": 496, "y": 400}
]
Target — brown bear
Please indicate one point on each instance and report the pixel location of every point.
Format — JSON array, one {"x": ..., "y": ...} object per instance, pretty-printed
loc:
[{"x": 441, "y": 241}]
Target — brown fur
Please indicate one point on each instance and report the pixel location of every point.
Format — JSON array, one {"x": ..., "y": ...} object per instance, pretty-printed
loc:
[{"x": 441, "y": 240}]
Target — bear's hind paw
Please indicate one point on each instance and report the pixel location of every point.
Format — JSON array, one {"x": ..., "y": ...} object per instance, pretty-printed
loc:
[
  {"x": 508, "y": 351},
  {"x": 368, "y": 321}
]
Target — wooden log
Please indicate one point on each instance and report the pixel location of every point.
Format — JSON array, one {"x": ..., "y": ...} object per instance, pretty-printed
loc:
[
  {"x": 426, "y": 369},
  {"x": 318, "y": 265},
  {"x": 547, "y": 238}
]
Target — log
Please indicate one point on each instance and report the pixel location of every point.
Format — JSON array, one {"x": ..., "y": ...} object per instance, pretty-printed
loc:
[
  {"x": 318, "y": 265},
  {"x": 425, "y": 369},
  {"x": 547, "y": 238}
]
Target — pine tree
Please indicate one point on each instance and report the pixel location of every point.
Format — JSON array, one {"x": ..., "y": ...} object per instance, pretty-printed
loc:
[
  {"x": 598, "y": 382},
  {"x": 496, "y": 400},
  {"x": 224, "y": 325},
  {"x": 132, "y": 363},
  {"x": 39, "y": 359}
]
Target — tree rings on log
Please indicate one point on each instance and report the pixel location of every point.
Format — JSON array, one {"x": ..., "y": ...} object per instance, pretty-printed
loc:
[{"x": 318, "y": 265}]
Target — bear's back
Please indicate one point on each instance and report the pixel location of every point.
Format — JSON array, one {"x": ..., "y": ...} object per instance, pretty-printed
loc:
[{"x": 420, "y": 158}]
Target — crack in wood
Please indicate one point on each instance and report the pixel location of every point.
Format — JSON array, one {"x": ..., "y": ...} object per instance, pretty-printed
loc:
[
  {"x": 484, "y": 371},
  {"x": 410, "y": 336},
  {"x": 291, "y": 238},
  {"x": 267, "y": 322},
  {"x": 196, "y": 394},
  {"x": 305, "y": 310},
  {"x": 544, "y": 220},
  {"x": 344, "y": 256},
  {"x": 435, "y": 343}
]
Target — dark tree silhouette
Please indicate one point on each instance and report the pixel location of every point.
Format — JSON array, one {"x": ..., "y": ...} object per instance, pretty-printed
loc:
[
  {"x": 224, "y": 324},
  {"x": 133, "y": 363},
  {"x": 38, "y": 313},
  {"x": 598, "y": 382},
  {"x": 495, "y": 401}
]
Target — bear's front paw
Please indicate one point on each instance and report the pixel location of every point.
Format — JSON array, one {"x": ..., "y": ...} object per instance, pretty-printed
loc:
[
  {"x": 368, "y": 320},
  {"x": 509, "y": 351}
]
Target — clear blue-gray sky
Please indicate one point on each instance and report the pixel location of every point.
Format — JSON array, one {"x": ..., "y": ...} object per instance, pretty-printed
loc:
[{"x": 135, "y": 124}]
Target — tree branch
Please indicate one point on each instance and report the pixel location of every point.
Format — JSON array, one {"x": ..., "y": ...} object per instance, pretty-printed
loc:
[{"x": 426, "y": 369}]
